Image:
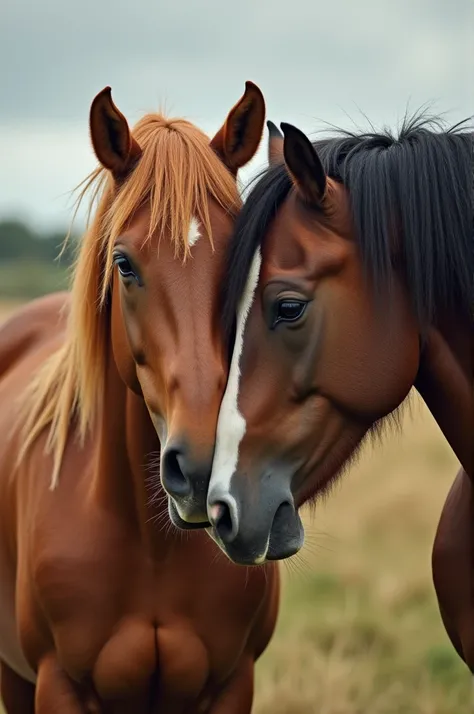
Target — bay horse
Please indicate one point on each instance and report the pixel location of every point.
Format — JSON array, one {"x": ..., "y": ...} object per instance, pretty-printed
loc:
[
  {"x": 350, "y": 281},
  {"x": 103, "y": 606}
]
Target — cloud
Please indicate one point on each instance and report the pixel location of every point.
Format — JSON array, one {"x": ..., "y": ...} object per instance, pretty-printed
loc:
[{"x": 314, "y": 61}]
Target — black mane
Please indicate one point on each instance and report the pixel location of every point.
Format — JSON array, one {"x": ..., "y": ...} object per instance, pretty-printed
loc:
[{"x": 421, "y": 180}]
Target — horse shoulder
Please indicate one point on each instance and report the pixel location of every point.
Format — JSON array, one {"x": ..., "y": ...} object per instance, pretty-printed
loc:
[
  {"x": 453, "y": 567},
  {"x": 31, "y": 326},
  {"x": 26, "y": 338}
]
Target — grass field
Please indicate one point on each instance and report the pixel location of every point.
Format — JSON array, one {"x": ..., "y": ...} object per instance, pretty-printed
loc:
[{"x": 359, "y": 629}]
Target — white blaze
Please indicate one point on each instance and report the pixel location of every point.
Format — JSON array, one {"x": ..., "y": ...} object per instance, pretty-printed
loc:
[
  {"x": 194, "y": 232},
  {"x": 231, "y": 424}
]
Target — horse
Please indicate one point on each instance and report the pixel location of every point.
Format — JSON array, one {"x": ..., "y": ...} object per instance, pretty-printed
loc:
[
  {"x": 350, "y": 280},
  {"x": 105, "y": 390}
]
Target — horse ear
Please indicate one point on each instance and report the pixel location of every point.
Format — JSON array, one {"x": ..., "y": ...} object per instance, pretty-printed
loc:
[
  {"x": 275, "y": 145},
  {"x": 304, "y": 165},
  {"x": 238, "y": 139},
  {"x": 112, "y": 140}
]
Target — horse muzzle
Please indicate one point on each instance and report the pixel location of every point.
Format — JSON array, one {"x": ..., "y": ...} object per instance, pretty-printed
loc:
[
  {"x": 255, "y": 525},
  {"x": 185, "y": 478}
]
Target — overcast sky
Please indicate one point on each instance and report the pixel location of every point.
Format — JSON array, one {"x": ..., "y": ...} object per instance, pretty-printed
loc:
[{"x": 313, "y": 59}]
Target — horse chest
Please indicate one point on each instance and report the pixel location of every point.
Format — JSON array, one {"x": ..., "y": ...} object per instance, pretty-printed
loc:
[
  {"x": 136, "y": 660},
  {"x": 169, "y": 663},
  {"x": 132, "y": 626}
]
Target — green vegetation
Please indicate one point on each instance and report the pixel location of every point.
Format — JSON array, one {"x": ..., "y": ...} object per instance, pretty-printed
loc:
[{"x": 29, "y": 264}]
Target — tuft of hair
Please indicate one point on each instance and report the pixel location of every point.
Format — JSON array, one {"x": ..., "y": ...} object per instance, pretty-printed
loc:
[
  {"x": 392, "y": 422},
  {"x": 416, "y": 185},
  {"x": 178, "y": 173}
]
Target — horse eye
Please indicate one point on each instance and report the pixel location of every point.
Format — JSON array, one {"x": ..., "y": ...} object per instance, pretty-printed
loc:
[
  {"x": 125, "y": 268},
  {"x": 289, "y": 310}
]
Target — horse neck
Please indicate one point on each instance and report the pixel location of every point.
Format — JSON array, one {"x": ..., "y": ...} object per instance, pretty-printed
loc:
[
  {"x": 445, "y": 381},
  {"x": 126, "y": 441}
]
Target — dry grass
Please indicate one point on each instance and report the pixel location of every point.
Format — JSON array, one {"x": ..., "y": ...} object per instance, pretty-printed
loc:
[{"x": 359, "y": 630}]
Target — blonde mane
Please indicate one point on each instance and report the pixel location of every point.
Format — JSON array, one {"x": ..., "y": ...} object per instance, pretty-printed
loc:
[{"x": 177, "y": 174}]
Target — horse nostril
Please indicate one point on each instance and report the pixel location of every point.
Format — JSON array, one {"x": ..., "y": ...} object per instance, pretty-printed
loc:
[
  {"x": 282, "y": 516},
  {"x": 174, "y": 477},
  {"x": 221, "y": 518},
  {"x": 286, "y": 534}
]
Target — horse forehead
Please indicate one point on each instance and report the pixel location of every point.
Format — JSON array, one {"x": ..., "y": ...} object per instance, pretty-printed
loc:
[
  {"x": 137, "y": 233},
  {"x": 288, "y": 242},
  {"x": 299, "y": 241}
]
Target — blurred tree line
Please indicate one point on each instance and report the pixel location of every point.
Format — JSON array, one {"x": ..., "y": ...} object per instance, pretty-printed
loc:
[{"x": 29, "y": 262}]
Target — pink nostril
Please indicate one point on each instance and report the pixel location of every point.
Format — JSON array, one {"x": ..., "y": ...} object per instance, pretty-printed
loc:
[
  {"x": 224, "y": 522},
  {"x": 216, "y": 512}
]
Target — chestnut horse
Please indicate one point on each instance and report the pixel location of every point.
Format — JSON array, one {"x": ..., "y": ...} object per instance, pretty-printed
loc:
[
  {"x": 103, "y": 606},
  {"x": 350, "y": 280}
]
